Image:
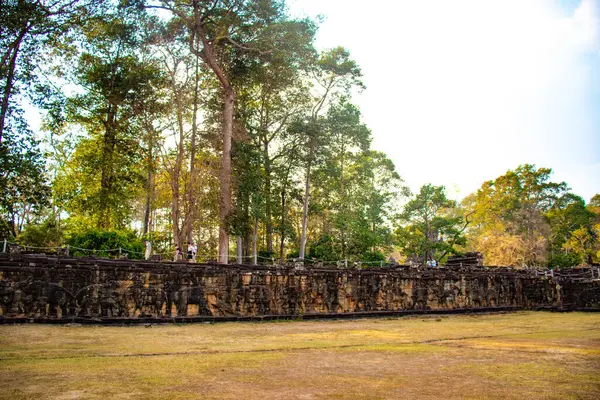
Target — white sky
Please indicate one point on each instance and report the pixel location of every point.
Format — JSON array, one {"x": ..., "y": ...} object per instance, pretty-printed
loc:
[{"x": 460, "y": 91}]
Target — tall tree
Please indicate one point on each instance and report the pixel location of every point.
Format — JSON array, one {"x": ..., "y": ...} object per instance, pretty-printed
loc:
[
  {"x": 377, "y": 190},
  {"x": 347, "y": 137},
  {"x": 29, "y": 29},
  {"x": 509, "y": 223},
  {"x": 30, "y": 34},
  {"x": 334, "y": 73},
  {"x": 24, "y": 185},
  {"x": 150, "y": 110},
  {"x": 572, "y": 235},
  {"x": 182, "y": 76},
  {"x": 222, "y": 29},
  {"x": 106, "y": 164},
  {"x": 432, "y": 228},
  {"x": 275, "y": 96}
]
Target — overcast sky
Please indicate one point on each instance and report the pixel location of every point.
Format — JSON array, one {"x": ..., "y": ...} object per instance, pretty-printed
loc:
[{"x": 458, "y": 92}]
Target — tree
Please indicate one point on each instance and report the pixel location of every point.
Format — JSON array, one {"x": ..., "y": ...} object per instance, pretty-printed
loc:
[
  {"x": 28, "y": 28},
  {"x": 23, "y": 181},
  {"x": 182, "y": 92},
  {"x": 333, "y": 73},
  {"x": 151, "y": 108},
  {"x": 347, "y": 137},
  {"x": 433, "y": 229},
  {"x": 377, "y": 189},
  {"x": 269, "y": 104},
  {"x": 31, "y": 31},
  {"x": 571, "y": 232},
  {"x": 509, "y": 213},
  {"x": 238, "y": 29},
  {"x": 105, "y": 172}
]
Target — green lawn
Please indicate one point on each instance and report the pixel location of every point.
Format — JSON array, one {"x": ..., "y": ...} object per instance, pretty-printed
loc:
[{"x": 528, "y": 355}]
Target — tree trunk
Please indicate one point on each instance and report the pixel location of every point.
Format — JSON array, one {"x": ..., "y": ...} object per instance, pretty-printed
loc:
[
  {"x": 107, "y": 178},
  {"x": 149, "y": 184},
  {"x": 268, "y": 221},
  {"x": 8, "y": 86},
  {"x": 281, "y": 248},
  {"x": 246, "y": 239},
  {"x": 175, "y": 203},
  {"x": 175, "y": 211},
  {"x": 239, "y": 259},
  {"x": 191, "y": 209},
  {"x": 149, "y": 190},
  {"x": 255, "y": 242},
  {"x": 343, "y": 205},
  {"x": 305, "y": 211},
  {"x": 225, "y": 175}
]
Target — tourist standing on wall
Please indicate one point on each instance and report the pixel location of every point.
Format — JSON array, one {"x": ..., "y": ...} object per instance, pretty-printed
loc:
[
  {"x": 177, "y": 254},
  {"x": 148, "y": 250},
  {"x": 194, "y": 251},
  {"x": 189, "y": 251}
]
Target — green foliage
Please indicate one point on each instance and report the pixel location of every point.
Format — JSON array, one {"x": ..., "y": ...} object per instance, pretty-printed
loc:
[
  {"x": 5, "y": 229},
  {"x": 354, "y": 188},
  {"x": 47, "y": 234},
  {"x": 371, "y": 256},
  {"x": 433, "y": 228},
  {"x": 248, "y": 182},
  {"x": 100, "y": 239},
  {"x": 572, "y": 237},
  {"x": 563, "y": 259},
  {"x": 24, "y": 190},
  {"x": 31, "y": 32},
  {"x": 264, "y": 254},
  {"x": 104, "y": 174},
  {"x": 324, "y": 249},
  {"x": 336, "y": 68},
  {"x": 134, "y": 103},
  {"x": 510, "y": 226}
]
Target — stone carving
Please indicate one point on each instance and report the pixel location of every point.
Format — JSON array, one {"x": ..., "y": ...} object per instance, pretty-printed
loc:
[{"x": 59, "y": 287}]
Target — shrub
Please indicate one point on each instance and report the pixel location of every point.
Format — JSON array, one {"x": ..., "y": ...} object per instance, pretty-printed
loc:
[
  {"x": 104, "y": 240},
  {"x": 47, "y": 234}
]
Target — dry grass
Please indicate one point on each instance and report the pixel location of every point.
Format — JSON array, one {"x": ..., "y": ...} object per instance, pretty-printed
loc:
[{"x": 507, "y": 356}]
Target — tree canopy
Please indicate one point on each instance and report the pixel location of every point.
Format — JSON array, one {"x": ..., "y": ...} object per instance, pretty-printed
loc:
[{"x": 220, "y": 123}]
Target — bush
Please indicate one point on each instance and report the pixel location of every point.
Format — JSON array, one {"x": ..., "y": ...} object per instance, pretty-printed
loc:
[
  {"x": 293, "y": 254},
  {"x": 323, "y": 249},
  {"x": 5, "y": 229},
  {"x": 47, "y": 234},
  {"x": 264, "y": 254},
  {"x": 373, "y": 256},
  {"x": 99, "y": 239},
  {"x": 564, "y": 260}
]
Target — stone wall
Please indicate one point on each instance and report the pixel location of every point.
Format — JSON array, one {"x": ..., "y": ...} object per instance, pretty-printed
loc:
[{"x": 41, "y": 288}]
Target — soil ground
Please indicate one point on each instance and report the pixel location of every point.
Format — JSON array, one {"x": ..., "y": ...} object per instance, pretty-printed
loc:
[{"x": 525, "y": 355}]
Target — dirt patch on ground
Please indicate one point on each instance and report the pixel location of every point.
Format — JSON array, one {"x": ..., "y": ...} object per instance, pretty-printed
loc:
[{"x": 508, "y": 356}]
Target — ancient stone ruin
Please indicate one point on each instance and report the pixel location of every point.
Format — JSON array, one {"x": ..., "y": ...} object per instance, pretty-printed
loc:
[{"x": 40, "y": 288}]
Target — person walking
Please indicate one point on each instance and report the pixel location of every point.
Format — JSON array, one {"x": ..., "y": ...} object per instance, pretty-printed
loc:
[
  {"x": 148, "y": 250},
  {"x": 194, "y": 251}
]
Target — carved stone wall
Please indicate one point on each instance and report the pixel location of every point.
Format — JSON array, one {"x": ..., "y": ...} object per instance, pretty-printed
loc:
[{"x": 54, "y": 288}]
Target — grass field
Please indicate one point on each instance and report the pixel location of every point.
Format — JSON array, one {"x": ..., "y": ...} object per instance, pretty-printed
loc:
[{"x": 528, "y": 355}]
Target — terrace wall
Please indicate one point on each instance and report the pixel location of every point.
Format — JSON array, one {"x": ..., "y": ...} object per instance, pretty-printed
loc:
[{"x": 42, "y": 288}]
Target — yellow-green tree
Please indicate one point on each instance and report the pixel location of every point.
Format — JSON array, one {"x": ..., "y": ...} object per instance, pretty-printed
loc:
[{"x": 509, "y": 224}]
